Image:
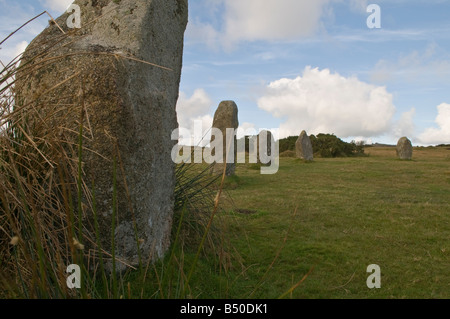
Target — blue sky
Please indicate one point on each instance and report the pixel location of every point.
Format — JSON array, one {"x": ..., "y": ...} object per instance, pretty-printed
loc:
[{"x": 298, "y": 65}]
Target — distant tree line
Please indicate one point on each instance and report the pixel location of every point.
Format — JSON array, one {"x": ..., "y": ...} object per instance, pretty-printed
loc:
[{"x": 326, "y": 145}]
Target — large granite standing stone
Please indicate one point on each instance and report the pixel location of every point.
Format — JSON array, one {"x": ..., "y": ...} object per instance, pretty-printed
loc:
[
  {"x": 226, "y": 117},
  {"x": 404, "y": 149},
  {"x": 303, "y": 147},
  {"x": 129, "y": 109}
]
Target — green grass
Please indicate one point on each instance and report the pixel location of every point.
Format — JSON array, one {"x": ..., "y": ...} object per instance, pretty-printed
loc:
[
  {"x": 309, "y": 231},
  {"x": 338, "y": 216}
]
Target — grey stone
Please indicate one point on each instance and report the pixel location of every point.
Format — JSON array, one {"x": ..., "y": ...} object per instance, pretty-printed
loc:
[
  {"x": 404, "y": 149},
  {"x": 303, "y": 147},
  {"x": 109, "y": 66},
  {"x": 263, "y": 153},
  {"x": 226, "y": 117}
]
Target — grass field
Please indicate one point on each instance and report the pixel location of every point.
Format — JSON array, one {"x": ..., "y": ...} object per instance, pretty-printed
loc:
[
  {"x": 310, "y": 232},
  {"x": 336, "y": 217}
]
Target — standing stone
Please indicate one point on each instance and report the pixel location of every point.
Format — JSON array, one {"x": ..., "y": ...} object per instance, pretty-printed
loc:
[
  {"x": 226, "y": 117},
  {"x": 107, "y": 71},
  {"x": 303, "y": 147},
  {"x": 264, "y": 151},
  {"x": 404, "y": 149}
]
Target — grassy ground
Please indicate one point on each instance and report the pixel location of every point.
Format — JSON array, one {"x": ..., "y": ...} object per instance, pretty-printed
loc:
[
  {"x": 330, "y": 219},
  {"x": 337, "y": 216}
]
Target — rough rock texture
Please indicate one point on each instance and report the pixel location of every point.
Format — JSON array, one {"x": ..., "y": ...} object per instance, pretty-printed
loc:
[
  {"x": 303, "y": 147},
  {"x": 404, "y": 149},
  {"x": 129, "y": 108},
  {"x": 225, "y": 117}
]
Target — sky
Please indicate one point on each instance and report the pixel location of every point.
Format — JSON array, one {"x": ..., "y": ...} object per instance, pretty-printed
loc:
[{"x": 293, "y": 65}]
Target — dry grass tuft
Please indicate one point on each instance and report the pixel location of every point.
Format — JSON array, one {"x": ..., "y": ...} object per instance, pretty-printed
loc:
[
  {"x": 39, "y": 173},
  {"x": 46, "y": 203}
]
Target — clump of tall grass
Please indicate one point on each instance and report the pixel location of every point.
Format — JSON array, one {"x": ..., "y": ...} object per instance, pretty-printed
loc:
[
  {"x": 194, "y": 194},
  {"x": 41, "y": 229},
  {"x": 37, "y": 169},
  {"x": 198, "y": 218},
  {"x": 45, "y": 198}
]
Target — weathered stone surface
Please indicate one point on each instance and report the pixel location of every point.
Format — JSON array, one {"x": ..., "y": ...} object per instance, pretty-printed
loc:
[
  {"x": 263, "y": 151},
  {"x": 303, "y": 147},
  {"x": 404, "y": 149},
  {"x": 226, "y": 117},
  {"x": 129, "y": 108}
]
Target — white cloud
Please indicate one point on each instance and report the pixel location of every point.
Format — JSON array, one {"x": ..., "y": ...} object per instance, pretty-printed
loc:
[
  {"x": 246, "y": 128},
  {"x": 405, "y": 125},
  {"x": 271, "y": 20},
  {"x": 21, "y": 12},
  {"x": 20, "y": 47},
  {"x": 440, "y": 135},
  {"x": 202, "y": 32},
  {"x": 322, "y": 102},
  {"x": 230, "y": 22},
  {"x": 194, "y": 110},
  {"x": 56, "y": 5},
  {"x": 194, "y": 107},
  {"x": 253, "y": 20},
  {"x": 10, "y": 53}
]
